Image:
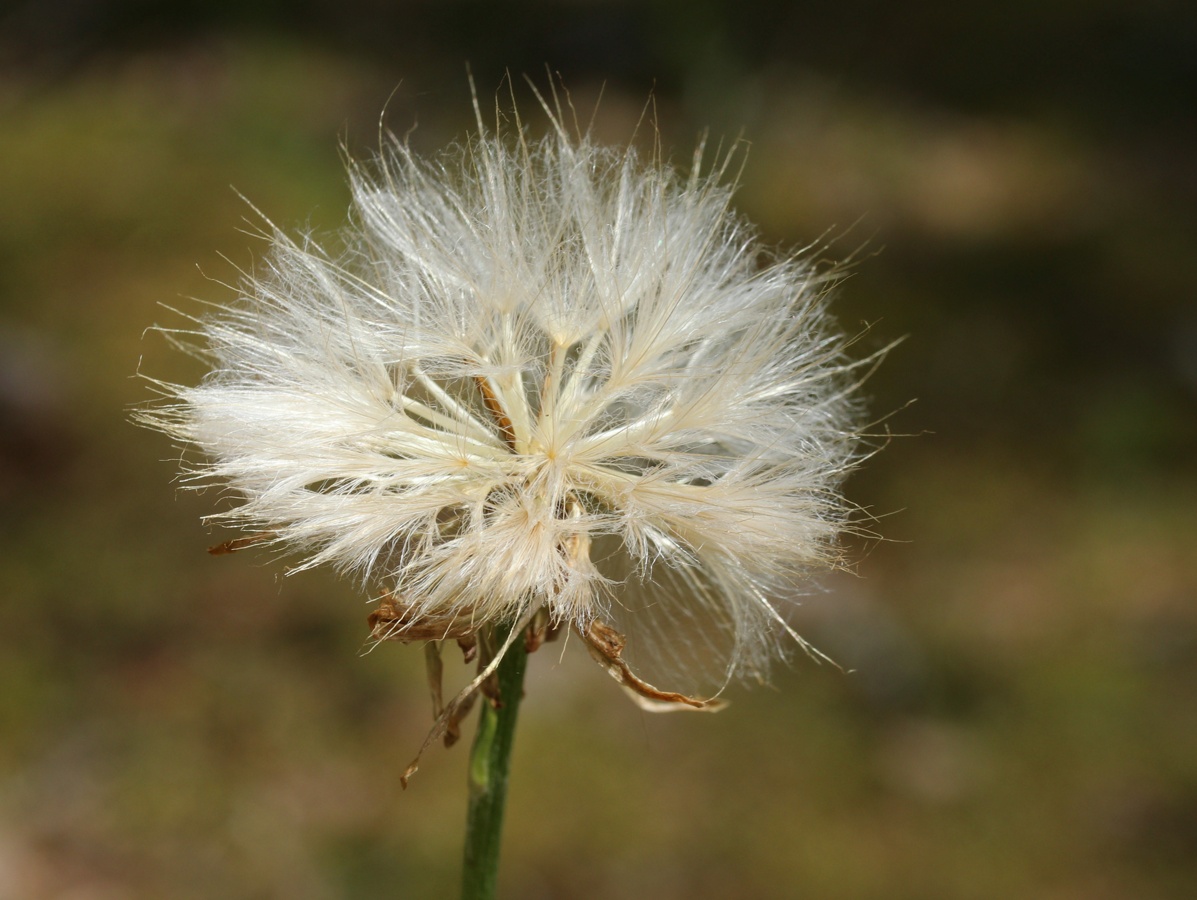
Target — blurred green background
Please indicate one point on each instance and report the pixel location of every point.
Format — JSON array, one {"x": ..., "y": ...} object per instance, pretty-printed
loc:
[{"x": 1018, "y": 182}]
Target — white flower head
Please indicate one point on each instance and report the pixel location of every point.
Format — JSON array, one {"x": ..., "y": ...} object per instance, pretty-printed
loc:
[{"x": 540, "y": 377}]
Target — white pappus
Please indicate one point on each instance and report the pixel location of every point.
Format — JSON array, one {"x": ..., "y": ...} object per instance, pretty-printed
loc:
[{"x": 539, "y": 377}]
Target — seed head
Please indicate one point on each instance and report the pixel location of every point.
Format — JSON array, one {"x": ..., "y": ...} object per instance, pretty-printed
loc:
[{"x": 538, "y": 376}]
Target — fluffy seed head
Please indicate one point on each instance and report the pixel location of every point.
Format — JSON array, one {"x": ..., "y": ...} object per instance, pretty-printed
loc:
[{"x": 539, "y": 374}]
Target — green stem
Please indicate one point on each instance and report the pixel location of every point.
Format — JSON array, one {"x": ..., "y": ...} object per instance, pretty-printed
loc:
[{"x": 490, "y": 760}]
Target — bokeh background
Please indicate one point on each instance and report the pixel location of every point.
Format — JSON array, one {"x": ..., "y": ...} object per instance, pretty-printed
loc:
[{"x": 1017, "y": 182}]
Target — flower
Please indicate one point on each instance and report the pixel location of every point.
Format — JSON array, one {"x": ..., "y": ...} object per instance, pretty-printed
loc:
[{"x": 540, "y": 378}]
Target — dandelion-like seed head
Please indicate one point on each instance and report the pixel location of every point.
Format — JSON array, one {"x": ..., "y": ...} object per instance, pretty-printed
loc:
[{"x": 540, "y": 378}]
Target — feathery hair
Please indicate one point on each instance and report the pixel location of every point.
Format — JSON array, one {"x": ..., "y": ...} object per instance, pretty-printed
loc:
[{"x": 539, "y": 375}]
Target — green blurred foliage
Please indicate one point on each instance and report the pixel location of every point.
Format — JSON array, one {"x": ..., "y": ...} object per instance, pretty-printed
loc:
[{"x": 1015, "y": 183}]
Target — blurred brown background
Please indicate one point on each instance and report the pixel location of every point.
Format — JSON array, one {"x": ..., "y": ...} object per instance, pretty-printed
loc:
[{"x": 1019, "y": 183}]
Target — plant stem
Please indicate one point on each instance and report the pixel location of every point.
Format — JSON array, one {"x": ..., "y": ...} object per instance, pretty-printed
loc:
[{"x": 490, "y": 760}]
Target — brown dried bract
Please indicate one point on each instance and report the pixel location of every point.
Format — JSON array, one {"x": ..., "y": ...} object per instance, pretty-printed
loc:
[
  {"x": 606, "y": 647},
  {"x": 542, "y": 630},
  {"x": 241, "y": 543},
  {"x": 447, "y": 722},
  {"x": 394, "y": 620}
]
